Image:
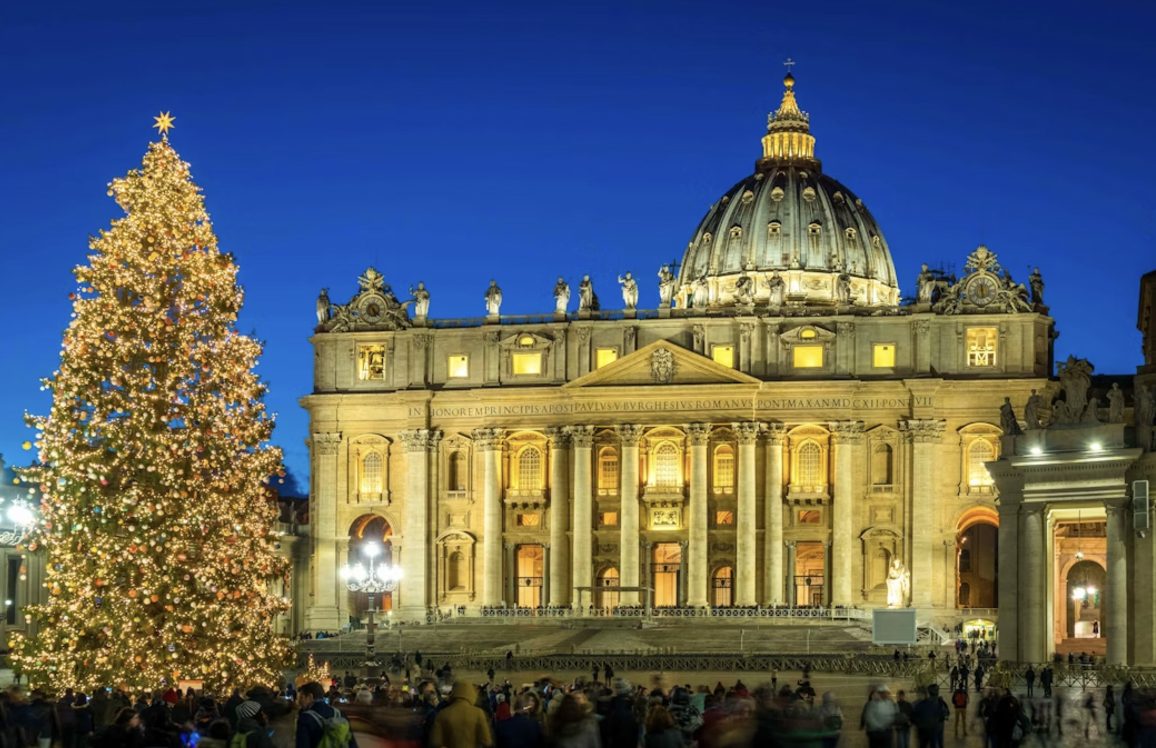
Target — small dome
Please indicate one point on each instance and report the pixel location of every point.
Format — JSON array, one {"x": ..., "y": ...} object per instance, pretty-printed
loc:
[{"x": 791, "y": 220}]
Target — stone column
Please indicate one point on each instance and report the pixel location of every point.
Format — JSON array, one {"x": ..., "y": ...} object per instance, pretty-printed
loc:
[
  {"x": 582, "y": 534},
  {"x": 1116, "y": 584},
  {"x": 746, "y": 523},
  {"x": 511, "y": 596},
  {"x": 773, "y": 511},
  {"x": 791, "y": 591},
  {"x": 559, "y": 592},
  {"x": 923, "y": 435},
  {"x": 1033, "y": 581},
  {"x": 1008, "y": 565},
  {"x": 415, "y": 597},
  {"x": 322, "y": 614},
  {"x": 628, "y": 519},
  {"x": 848, "y": 436},
  {"x": 489, "y": 443},
  {"x": 696, "y": 567}
]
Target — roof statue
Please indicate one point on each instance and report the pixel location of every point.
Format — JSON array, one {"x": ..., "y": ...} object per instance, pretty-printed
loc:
[
  {"x": 1075, "y": 380},
  {"x": 373, "y": 308},
  {"x": 493, "y": 299},
  {"x": 561, "y": 297}
]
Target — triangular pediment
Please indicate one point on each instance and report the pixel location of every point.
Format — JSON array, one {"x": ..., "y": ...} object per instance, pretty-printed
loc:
[{"x": 659, "y": 363}]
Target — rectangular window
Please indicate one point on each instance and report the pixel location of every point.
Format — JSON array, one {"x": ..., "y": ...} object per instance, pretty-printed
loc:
[
  {"x": 809, "y": 517},
  {"x": 883, "y": 356},
  {"x": 458, "y": 366},
  {"x": 608, "y": 519},
  {"x": 981, "y": 346},
  {"x": 527, "y": 364},
  {"x": 723, "y": 354},
  {"x": 807, "y": 356},
  {"x": 529, "y": 519},
  {"x": 722, "y": 518},
  {"x": 603, "y": 356},
  {"x": 371, "y": 363}
]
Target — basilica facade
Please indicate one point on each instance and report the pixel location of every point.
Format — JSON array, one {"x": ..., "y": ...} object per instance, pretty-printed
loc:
[{"x": 780, "y": 432}]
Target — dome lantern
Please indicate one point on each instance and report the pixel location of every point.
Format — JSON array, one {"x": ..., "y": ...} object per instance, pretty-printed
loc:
[{"x": 788, "y": 139}]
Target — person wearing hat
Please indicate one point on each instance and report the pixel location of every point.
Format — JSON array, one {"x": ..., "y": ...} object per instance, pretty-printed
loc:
[
  {"x": 879, "y": 717},
  {"x": 253, "y": 723},
  {"x": 461, "y": 724}
]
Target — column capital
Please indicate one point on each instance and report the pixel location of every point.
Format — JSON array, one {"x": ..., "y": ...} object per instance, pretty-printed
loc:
[
  {"x": 488, "y": 439},
  {"x": 847, "y": 432},
  {"x": 420, "y": 440},
  {"x": 698, "y": 433},
  {"x": 326, "y": 443},
  {"x": 582, "y": 436},
  {"x": 922, "y": 430},
  {"x": 1035, "y": 507},
  {"x": 629, "y": 433},
  {"x": 559, "y": 436},
  {"x": 775, "y": 432},
  {"x": 1117, "y": 507},
  {"x": 747, "y": 431}
]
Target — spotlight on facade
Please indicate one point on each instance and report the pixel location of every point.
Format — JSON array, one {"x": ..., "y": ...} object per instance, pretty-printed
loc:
[
  {"x": 1036, "y": 451},
  {"x": 1095, "y": 447}
]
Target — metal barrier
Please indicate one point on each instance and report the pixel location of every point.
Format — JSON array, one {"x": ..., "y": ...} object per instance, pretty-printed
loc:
[{"x": 755, "y": 613}]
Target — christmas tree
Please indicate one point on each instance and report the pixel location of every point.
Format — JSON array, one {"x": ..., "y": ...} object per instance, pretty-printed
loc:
[{"x": 154, "y": 463}]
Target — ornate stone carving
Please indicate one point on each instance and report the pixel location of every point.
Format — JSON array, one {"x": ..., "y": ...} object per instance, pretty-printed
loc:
[
  {"x": 420, "y": 440},
  {"x": 985, "y": 289},
  {"x": 1033, "y": 418},
  {"x": 698, "y": 433},
  {"x": 629, "y": 433},
  {"x": 1075, "y": 380},
  {"x": 559, "y": 437},
  {"x": 699, "y": 333},
  {"x": 846, "y": 432},
  {"x": 1115, "y": 404},
  {"x": 775, "y": 432},
  {"x": 423, "y": 341},
  {"x": 662, "y": 366},
  {"x": 922, "y": 431},
  {"x": 373, "y": 308},
  {"x": 846, "y": 329},
  {"x": 746, "y": 329},
  {"x": 326, "y": 443},
  {"x": 629, "y": 335},
  {"x": 492, "y": 337},
  {"x": 922, "y": 327},
  {"x": 747, "y": 431},
  {"x": 1007, "y": 419},
  {"x": 487, "y": 439},
  {"x": 582, "y": 436},
  {"x": 583, "y": 335}
]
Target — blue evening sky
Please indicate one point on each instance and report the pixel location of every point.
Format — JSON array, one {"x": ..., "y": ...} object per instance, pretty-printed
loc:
[{"x": 454, "y": 142}]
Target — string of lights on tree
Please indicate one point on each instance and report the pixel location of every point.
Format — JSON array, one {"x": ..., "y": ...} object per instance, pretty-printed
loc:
[{"x": 153, "y": 463}]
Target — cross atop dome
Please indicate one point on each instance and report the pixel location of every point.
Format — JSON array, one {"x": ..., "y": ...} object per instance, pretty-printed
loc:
[{"x": 788, "y": 138}]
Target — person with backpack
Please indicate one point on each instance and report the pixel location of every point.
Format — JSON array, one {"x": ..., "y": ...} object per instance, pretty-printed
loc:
[
  {"x": 929, "y": 715},
  {"x": 319, "y": 725},
  {"x": 959, "y": 701},
  {"x": 252, "y": 727}
]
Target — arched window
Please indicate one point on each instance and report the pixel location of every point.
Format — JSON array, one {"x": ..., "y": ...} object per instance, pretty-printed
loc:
[
  {"x": 722, "y": 584},
  {"x": 457, "y": 471},
  {"x": 881, "y": 465},
  {"x": 608, "y": 470},
  {"x": 530, "y": 469},
  {"x": 724, "y": 469},
  {"x": 371, "y": 473},
  {"x": 978, "y": 478},
  {"x": 667, "y": 465},
  {"x": 456, "y": 571},
  {"x": 810, "y": 465}
]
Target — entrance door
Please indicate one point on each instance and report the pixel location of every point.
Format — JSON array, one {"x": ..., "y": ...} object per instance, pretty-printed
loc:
[
  {"x": 530, "y": 562},
  {"x": 667, "y": 565},
  {"x": 810, "y": 572}
]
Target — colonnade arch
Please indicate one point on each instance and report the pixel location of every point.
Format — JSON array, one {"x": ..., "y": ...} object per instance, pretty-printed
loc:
[
  {"x": 976, "y": 559},
  {"x": 369, "y": 530}
]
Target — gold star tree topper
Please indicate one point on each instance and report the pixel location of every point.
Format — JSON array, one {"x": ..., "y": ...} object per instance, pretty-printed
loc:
[{"x": 164, "y": 123}]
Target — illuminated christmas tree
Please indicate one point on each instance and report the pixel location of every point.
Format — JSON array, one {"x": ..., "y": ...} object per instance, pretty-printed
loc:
[
  {"x": 316, "y": 673},
  {"x": 154, "y": 463}
]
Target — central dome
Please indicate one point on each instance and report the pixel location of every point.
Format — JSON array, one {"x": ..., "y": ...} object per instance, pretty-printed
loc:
[{"x": 788, "y": 235}]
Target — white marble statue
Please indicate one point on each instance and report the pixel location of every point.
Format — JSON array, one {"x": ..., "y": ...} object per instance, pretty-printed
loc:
[
  {"x": 665, "y": 286},
  {"x": 898, "y": 584},
  {"x": 701, "y": 295},
  {"x": 629, "y": 291},
  {"x": 420, "y": 300},
  {"x": 775, "y": 285},
  {"x": 1115, "y": 404},
  {"x": 323, "y": 306},
  {"x": 587, "y": 299},
  {"x": 493, "y": 299},
  {"x": 561, "y": 296},
  {"x": 843, "y": 289},
  {"x": 744, "y": 289}
]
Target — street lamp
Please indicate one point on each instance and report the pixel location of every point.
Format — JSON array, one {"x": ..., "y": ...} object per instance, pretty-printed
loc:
[
  {"x": 373, "y": 579},
  {"x": 17, "y": 518}
]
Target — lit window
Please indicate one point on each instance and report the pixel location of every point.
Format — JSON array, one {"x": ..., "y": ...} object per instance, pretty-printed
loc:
[
  {"x": 527, "y": 364},
  {"x": 980, "y": 451},
  {"x": 981, "y": 346},
  {"x": 809, "y": 517},
  {"x": 810, "y": 457},
  {"x": 457, "y": 471},
  {"x": 807, "y": 356},
  {"x": 371, "y": 363},
  {"x": 667, "y": 465},
  {"x": 724, "y": 469},
  {"x": 723, "y": 354},
  {"x": 526, "y": 341},
  {"x": 883, "y": 356},
  {"x": 371, "y": 474},
  {"x": 808, "y": 334},
  {"x": 724, "y": 518},
  {"x": 608, "y": 470},
  {"x": 459, "y": 366},
  {"x": 529, "y": 519},
  {"x": 530, "y": 469},
  {"x": 608, "y": 519},
  {"x": 603, "y": 356}
]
